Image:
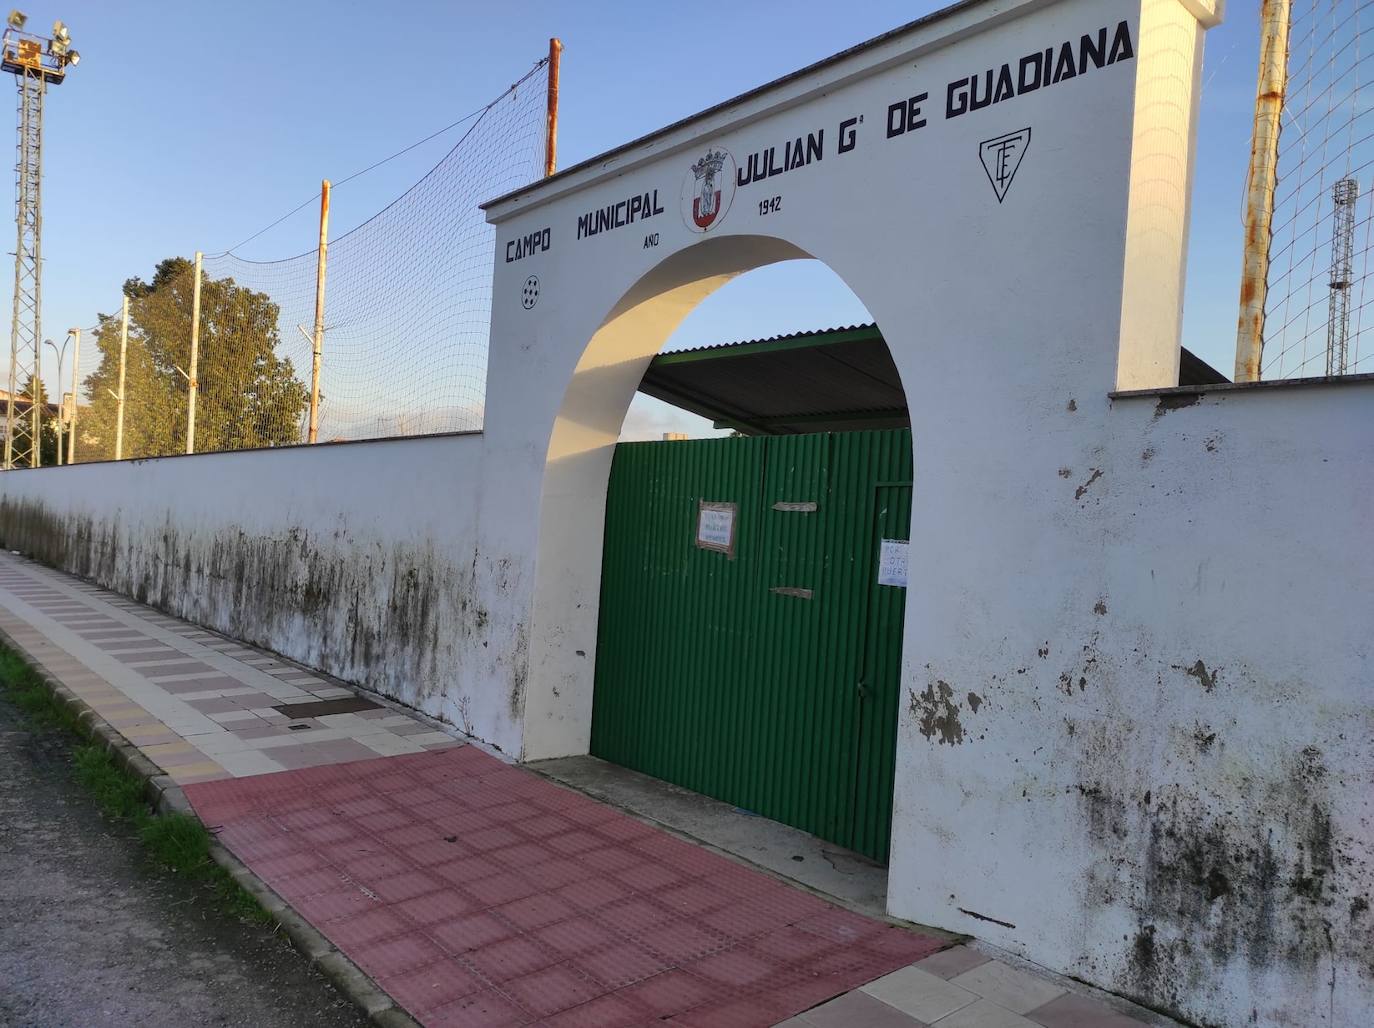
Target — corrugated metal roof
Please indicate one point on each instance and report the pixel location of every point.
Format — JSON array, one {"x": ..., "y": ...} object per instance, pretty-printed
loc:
[
  {"x": 867, "y": 326},
  {"x": 824, "y": 380}
]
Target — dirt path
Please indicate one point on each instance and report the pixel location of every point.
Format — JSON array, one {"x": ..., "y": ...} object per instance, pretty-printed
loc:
[{"x": 91, "y": 935}]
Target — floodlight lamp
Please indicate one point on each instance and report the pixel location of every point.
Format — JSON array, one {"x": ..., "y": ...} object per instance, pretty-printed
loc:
[
  {"x": 60, "y": 33},
  {"x": 17, "y": 19},
  {"x": 73, "y": 57},
  {"x": 57, "y": 48}
]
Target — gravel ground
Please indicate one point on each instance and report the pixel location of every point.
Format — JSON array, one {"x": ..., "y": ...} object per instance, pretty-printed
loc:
[{"x": 91, "y": 935}]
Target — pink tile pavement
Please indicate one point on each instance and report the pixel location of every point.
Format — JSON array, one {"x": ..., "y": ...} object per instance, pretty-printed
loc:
[{"x": 477, "y": 893}]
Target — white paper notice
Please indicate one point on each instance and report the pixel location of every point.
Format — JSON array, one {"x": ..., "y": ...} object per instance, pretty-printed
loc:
[
  {"x": 892, "y": 563},
  {"x": 716, "y": 528}
]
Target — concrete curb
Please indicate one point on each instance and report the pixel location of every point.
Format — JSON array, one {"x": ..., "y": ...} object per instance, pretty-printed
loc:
[{"x": 166, "y": 797}]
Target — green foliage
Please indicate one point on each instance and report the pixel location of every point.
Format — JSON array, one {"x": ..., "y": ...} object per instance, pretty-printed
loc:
[
  {"x": 31, "y": 694},
  {"x": 179, "y": 841},
  {"x": 248, "y": 395},
  {"x": 117, "y": 793},
  {"x": 48, "y": 424}
]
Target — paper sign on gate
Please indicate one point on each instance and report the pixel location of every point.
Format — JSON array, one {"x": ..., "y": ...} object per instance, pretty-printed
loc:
[
  {"x": 716, "y": 527},
  {"x": 892, "y": 563}
]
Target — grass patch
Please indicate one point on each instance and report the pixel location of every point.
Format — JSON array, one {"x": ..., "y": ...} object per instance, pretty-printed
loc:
[
  {"x": 177, "y": 842},
  {"x": 117, "y": 793},
  {"x": 31, "y": 694}
]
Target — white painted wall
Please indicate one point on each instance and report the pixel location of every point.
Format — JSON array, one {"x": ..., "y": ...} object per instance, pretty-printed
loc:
[
  {"x": 360, "y": 558},
  {"x": 1163, "y": 612},
  {"x": 1146, "y": 821}
]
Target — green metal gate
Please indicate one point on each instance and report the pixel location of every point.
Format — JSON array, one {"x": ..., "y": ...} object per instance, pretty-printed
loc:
[{"x": 760, "y": 665}]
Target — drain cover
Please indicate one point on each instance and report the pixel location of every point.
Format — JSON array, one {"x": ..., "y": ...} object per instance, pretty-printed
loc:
[{"x": 316, "y": 708}]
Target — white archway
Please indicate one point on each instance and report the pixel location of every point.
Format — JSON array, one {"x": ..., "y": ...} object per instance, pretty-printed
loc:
[
  {"x": 573, "y": 491},
  {"x": 1022, "y": 250}
]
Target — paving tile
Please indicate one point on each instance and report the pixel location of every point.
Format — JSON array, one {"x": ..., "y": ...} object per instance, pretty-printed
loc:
[
  {"x": 437, "y": 907},
  {"x": 672, "y": 992},
  {"x": 535, "y": 911},
  {"x": 501, "y": 889},
  {"x": 355, "y": 930},
  {"x": 407, "y": 952},
  {"x": 421, "y": 991},
  {"x": 610, "y": 1011},
  {"x": 467, "y": 871},
  {"x": 487, "y": 1008},
  {"x": 593, "y": 893},
  {"x": 635, "y": 914},
  {"x": 842, "y": 926},
  {"x": 248, "y": 762},
  {"x": 552, "y": 989},
  {"x": 198, "y": 771},
  {"x": 511, "y": 958},
  {"x": 684, "y": 941},
  {"x": 857, "y": 1010},
  {"x": 337, "y": 904},
  {"x": 985, "y": 1014},
  {"x": 745, "y": 1012},
  {"x": 924, "y": 996},
  {"x": 1074, "y": 1011},
  {"x": 576, "y": 935},
  {"x": 470, "y": 931},
  {"x": 790, "y": 944},
  {"x": 406, "y": 886},
  {"x": 620, "y": 964},
  {"x": 607, "y": 907},
  {"x": 693, "y": 898},
  {"x": 168, "y": 749},
  {"x": 1007, "y": 986},
  {"x": 736, "y": 968}
]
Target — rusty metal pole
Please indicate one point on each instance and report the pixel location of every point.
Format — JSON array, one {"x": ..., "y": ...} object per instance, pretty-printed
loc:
[
  {"x": 317, "y": 343},
  {"x": 192, "y": 386},
  {"x": 551, "y": 137},
  {"x": 1259, "y": 197},
  {"x": 123, "y": 354},
  {"x": 75, "y": 333}
]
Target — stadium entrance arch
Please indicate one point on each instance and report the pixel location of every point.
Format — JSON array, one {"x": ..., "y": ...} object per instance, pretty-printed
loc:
[{"x": 1003, "y": 185}]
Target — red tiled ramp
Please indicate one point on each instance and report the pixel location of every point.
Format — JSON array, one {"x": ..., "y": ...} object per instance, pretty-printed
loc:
[{"x": 477, "y": 893}]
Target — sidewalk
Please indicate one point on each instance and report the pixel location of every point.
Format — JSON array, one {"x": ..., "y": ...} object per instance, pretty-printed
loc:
[{"x": 472, "y": 891}]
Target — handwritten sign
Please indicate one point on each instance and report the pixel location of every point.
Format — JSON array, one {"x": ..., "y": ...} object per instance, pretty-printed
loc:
[
  {"x": 716, "y": 527},
  {"x": 892, "y": 563}
]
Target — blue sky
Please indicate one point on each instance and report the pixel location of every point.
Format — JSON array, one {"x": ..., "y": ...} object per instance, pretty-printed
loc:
[{"x": 191, "y": 126}]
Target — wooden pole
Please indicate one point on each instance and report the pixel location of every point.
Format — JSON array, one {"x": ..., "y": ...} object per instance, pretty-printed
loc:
[
  {"x": 551, "y": 138},
  {"x": 76, "y": 396},
  {"x": 1259, "y": 198},
  {"x": 123, "y": 354},
  {"x": 192, "y": 386},
  {"x": 317, "y": 342}
]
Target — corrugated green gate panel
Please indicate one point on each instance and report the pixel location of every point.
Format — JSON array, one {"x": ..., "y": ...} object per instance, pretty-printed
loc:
[{"x": 766, "y": 678}]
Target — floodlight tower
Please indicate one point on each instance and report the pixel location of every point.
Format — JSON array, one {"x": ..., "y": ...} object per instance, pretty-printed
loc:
[
  {"x": 36, "y": 62},
  {"x": 1344, "y": 195}
]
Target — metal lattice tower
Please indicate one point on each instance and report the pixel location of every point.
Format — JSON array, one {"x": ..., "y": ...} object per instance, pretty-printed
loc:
[
  {"x": 36, "y": 62},
  {"x": 1344, "y": 195},
  {"x": 23, "y": 429}
]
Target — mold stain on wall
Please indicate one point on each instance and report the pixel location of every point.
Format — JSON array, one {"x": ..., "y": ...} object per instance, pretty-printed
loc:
[
  {"x": 1232, "y": 864},
  {"x": 389, "y": 617}
]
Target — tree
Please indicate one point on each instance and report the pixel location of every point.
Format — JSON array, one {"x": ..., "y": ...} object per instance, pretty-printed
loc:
[
  {"x": 48, "y": 425},
  {"x": 248, "y": 395}
]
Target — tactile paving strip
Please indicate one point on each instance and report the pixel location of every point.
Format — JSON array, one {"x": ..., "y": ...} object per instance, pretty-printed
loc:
[{"x": 477, "y": 893}]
